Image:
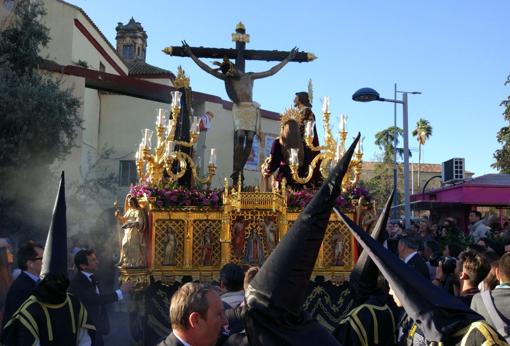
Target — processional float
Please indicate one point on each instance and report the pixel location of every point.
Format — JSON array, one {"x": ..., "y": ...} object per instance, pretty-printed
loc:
[{"x": 232, "y": 225}]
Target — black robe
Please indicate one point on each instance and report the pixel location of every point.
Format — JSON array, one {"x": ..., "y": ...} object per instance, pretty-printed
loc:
[
  {"x": 371, "y": 323},
  {"x": 29, "y": 324}
]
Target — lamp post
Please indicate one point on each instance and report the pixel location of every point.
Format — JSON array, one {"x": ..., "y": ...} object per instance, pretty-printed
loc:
[{"x": 368, "y": 95}]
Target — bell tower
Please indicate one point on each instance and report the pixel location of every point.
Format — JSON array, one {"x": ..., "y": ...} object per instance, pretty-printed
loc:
[{"x": 131, "y": 41}]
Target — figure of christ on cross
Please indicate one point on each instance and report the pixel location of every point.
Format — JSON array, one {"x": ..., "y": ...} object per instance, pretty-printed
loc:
[{"x": 239, "y": 87}]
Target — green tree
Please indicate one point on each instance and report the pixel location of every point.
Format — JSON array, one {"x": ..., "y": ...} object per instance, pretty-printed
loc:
[
  {"x": 381, "y": 184},
  {"x": 385, "y": 141},
  {"x": 39, "y": 122},
  {"x": 422, "y": 132},
  {"x": 502, "y": 155}
]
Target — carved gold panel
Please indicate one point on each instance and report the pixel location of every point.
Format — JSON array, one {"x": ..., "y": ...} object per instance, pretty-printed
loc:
[
  {"x": 169, "y": 243},
  {"x": 206, "y": 243}
]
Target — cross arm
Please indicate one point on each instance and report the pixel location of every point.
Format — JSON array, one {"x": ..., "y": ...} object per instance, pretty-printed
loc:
[
  {"x": 277, "y": 67},
  {"x": 249, "y": 54},
  {"x": 188, "y": 51}
]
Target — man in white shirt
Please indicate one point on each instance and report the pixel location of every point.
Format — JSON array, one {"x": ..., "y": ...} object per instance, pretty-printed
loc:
[
  {"x": 30, "y": 257},
  {"x": 85, "y": 287}
]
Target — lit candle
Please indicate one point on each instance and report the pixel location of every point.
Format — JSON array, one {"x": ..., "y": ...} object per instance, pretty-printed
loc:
[
  {"x": 325, "y": 105},
  {"x": 169, "y": 148},
  {"x": 160, "y": 119},
  {"x": 343, "y": 123},
  {"x": 359, "y": 150},
  {"x": 212, "y": 157},
  {"x": 309, "y": 129},
  {"x": 176, "y": 99},
  {"x": 339, "y": 151},
  {"x": 293, "y": 156},
  {"x": 147, "y": 137}
]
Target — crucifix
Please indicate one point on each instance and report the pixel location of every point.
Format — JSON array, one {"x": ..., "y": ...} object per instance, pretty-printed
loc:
[{"x": 239, "y": 85}]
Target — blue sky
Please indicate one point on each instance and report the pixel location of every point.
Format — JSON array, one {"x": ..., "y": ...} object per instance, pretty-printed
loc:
[{"x": 454, "y": 52}]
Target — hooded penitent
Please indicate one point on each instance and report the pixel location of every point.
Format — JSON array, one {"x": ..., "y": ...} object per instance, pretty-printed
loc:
[
  {"x": 363, "y": 278},
  {"x": 436, "y": 313},
  {"x": 54, "y": 282},
  {"x": 274, "y": 314}
]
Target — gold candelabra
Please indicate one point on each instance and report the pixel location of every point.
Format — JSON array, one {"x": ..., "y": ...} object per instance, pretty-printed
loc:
[
  {"x": 329, "y": 153},
  {"x": 151, "y": 165}
]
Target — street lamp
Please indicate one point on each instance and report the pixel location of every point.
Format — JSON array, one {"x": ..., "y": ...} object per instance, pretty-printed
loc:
[{"x": 368, "y": 95}]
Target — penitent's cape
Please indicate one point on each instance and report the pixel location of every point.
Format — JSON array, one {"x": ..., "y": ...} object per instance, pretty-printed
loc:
[{"x": 274, "y": 314}]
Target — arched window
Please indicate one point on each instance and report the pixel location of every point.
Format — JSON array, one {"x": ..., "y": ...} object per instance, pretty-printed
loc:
[{"x": 128, "y": 51}]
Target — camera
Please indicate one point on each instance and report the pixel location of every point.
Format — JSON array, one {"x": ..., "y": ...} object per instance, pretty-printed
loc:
[{"x": 449, "y": 263}]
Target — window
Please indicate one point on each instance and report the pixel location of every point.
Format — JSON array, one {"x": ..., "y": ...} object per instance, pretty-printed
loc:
[
  {"x": 101, "y": 67},
  {"x": 128, "y": 51},
  {"x": 127, "y": 172}
]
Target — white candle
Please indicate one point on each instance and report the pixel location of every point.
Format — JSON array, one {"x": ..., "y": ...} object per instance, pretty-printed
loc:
[
  {"x": 339, "y": 151},
  {"x": 212, "y": 157},
  {"x": 137, "y": 155},
  {"x": 343, "y": 123},
  {"x": 359, "y": 149},
  {"x": 169, "y": 148},
  {"x": 293, "y": 156},
  {"x": 147, "y": 137},
  {"x": 309, "y": 129},
  {"x": 160, "y": 119},
  {"x": 325, "y": 105},
  {"x": 176, "y": 99}
]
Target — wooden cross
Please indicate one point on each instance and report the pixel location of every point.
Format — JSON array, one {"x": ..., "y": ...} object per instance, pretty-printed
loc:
[{"x": 240, "y": 53}]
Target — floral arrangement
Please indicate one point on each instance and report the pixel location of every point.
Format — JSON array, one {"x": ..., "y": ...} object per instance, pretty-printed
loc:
[
  {"x": 173, "y": 196},
  {"x": 346, "y": 201}
]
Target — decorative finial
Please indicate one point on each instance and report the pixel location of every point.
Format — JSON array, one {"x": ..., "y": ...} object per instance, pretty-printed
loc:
[
  {"x": 240, "y": 26},
  {"x": 240, "y": 35},
  {"x": 181, "y": 81},
  {"x": 311, "y": 56}
]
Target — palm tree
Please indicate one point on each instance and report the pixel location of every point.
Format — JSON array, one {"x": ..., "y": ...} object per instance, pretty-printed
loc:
[
  {"x": 385, "y": 140},
  {"x": 422, "y": 132}
]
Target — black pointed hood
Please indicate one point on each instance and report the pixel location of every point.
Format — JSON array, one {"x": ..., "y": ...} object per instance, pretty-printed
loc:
[
  {"x": 436, "y": 313},
  {"x": 55, "y": 249},
  {"x": 363, "y": 278},
  {"x": 278, "y": 291},
  {"x": 54, "y": 281}
]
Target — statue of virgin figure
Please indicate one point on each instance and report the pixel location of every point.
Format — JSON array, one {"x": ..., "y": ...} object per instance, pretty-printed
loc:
[{"x": 134, "y": 223}]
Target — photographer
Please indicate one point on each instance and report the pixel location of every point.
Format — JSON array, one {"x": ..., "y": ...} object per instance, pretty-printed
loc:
[
  {"x": 445, "y": 274},
  {"x": 471, "y": 269}
]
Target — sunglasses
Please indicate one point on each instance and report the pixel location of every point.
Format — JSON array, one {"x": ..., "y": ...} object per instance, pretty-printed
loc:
[{"x": 36, "y": 259}]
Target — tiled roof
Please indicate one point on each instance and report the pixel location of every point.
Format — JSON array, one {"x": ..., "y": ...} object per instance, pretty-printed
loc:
[
  {"x": 137, "y": 68},
  {"x": 425, "y": 167}
]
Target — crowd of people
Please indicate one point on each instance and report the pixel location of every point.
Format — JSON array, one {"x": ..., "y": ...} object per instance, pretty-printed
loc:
[{"x": 405, "y": 290}]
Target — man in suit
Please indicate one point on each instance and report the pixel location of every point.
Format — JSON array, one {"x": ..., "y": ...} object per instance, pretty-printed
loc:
[
  {"x": 196, "y": 316},
  {"x": 408, "y": 246},
  {"x": 30, "y": 257},
  {"x": 86, "y": 288}
]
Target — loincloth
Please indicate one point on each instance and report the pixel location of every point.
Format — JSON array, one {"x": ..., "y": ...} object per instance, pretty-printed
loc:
[{"x": 246, "y": 116}]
